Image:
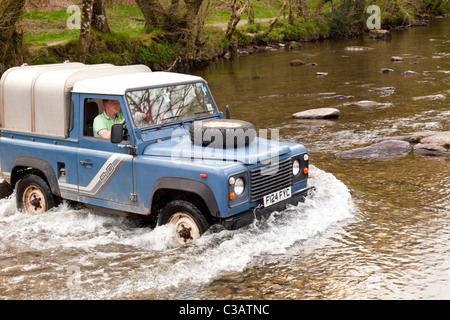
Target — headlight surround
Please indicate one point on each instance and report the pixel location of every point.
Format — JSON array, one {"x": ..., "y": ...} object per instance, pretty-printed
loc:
[
  {"x": 299, "y": 168},
  {"x": 239, "y": 186}
]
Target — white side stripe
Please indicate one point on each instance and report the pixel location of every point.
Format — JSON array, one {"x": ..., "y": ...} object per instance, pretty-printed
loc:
[{"x": 102, "y": 178}]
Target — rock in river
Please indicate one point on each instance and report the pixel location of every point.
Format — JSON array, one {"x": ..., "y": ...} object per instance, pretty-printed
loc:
[
  {"x": 385, "y": 70},
  {"x": 319, "y": 113},
  {"x": 385, "y": 150},
  {"x": 380, "y": 34},
  {"x": 434, "y": 145},
  {"x": 410, "y": 73},
  {"x": 297, "y": 63},
  {"x": 366, "y": 103},
  {"x": 358, "y": 48}
]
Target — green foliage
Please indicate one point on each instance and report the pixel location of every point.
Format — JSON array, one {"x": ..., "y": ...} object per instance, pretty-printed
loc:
[
  {"x": 311, "y": 29},
  {"x": 129, "y": 42},
  {"x": 435, "y": 6},
  {"x": 252, "y": 28},
  {"x": 347, "y": 19}
]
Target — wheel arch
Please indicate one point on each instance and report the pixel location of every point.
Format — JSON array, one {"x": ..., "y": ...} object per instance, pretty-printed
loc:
[
  {"x": 25, "y": 165},
  {"x": 168, "y": 188}
]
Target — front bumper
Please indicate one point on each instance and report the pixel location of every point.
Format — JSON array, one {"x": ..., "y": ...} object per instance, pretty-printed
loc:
[{"x": 247, "y": 217}]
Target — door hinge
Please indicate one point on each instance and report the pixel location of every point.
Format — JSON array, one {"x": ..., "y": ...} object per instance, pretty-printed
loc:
[{"x": 133, "y": 197}]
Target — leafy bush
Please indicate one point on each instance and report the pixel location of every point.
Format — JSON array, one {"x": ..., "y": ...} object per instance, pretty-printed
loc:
[{"x": 348, "y": 19}]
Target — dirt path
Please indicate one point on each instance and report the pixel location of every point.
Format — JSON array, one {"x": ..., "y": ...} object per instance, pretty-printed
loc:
[{"x": 223, "y": 25}]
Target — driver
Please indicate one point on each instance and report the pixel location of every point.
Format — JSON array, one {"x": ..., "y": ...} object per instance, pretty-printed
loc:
[{"x": 104, "y": 121}]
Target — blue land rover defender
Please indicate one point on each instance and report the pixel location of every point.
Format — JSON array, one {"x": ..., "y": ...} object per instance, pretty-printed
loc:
[{"x": 175, "y": 157}]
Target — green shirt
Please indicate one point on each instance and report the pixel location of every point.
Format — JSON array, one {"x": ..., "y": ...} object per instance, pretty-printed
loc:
[{"x": 103, "y": 121}]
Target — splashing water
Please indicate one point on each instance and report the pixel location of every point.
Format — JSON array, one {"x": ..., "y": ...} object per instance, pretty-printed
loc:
[{"x": 78, "y": 253}]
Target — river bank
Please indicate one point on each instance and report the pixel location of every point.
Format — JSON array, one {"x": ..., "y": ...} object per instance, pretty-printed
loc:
[{"x": 122, "y": 47}]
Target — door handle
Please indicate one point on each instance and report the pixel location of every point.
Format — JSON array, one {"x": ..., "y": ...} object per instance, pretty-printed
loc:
[{"x": 85, "y": 163}]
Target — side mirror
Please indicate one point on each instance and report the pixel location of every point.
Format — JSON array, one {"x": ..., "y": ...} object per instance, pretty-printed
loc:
[{"x": 116, "y": 133}]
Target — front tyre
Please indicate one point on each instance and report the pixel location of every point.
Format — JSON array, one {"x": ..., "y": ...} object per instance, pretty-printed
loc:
[
  {"x": 187, "y": 219},
  {"x": 33, "y": 195}
]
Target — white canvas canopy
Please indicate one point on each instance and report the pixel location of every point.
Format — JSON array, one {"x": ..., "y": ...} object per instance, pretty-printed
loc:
[{"x": 37, "y": 99}]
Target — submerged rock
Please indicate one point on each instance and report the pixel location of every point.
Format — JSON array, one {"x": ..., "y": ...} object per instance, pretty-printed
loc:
[
  {"x": 319, "y": 113},
  {"x": 426, "y": 143},
  {"x": 295, "y": 45},
  {"x": 413, "y": 137},
  {"x": 297, "y": 63},
  {"x": 366, "y": 103},
  {"x": 397, "y": 58},
  {"x": 410, "y": 73},
  {"x": 419, "y": 24},
  {"x": 358, "y": 48},
  {"x": 385, "y": 70},
  {"x": 385, "y": 150},
  {"x": 339, "y": 97},
  {"x": 430, "y": 97}
]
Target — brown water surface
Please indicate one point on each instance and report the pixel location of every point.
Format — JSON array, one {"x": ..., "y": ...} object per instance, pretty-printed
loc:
[{"x": 375, "y": 229}]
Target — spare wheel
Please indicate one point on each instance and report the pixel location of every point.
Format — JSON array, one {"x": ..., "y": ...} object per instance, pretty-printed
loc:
[{"x": 222, "y": 133}]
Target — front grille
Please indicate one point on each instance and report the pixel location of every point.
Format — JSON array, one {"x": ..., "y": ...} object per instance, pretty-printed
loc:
[{"x": 270, "y": 178}]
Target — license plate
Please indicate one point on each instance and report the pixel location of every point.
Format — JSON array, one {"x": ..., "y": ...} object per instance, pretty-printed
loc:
[{"x": 277, "y": 196}]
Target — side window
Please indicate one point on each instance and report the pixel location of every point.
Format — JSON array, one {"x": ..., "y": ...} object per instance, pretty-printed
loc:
[
  {"x": 92, "y": 108},
  {"x": 104, "y": 109}
]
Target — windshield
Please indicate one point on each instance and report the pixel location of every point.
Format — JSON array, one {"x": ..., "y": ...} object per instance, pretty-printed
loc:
[{"x": 155, "y": 106}]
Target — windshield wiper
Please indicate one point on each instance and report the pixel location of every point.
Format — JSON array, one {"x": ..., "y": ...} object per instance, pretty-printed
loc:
[
  {"x": 199, "y": 113},
  {"x": 165, "y": 124},
  {"x": 202, "y": 112}
]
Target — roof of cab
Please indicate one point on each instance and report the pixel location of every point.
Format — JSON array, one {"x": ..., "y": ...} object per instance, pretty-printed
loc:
[{"x": 120, "y": 83}]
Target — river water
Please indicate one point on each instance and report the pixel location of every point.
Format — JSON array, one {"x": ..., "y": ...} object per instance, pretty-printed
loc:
[{"x": 375, "y": 229}]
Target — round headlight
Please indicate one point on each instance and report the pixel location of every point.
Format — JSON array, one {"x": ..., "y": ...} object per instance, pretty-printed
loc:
[
  {"x": 295, "y": 167},
  {"x": 239, "y": 186}
]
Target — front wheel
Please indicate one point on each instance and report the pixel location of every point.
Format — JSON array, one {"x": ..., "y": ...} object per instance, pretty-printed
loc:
[
  {"x": 187, "y": 219},
  {"x": 33, "y": 195}
]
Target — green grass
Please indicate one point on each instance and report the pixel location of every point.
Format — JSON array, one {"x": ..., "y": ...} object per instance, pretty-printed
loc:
[
  {"x": 42, "y": 27},
  {"x": 262, "y": 10}
]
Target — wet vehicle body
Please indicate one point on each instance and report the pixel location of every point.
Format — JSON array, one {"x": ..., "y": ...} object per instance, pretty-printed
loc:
[{"x": 171, "y": 160}]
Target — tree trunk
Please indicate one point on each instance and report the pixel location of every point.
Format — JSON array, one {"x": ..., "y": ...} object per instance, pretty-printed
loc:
[
  {"x": 153, "y": 12},
  {"x": 293, "y": 10},
  {"x": 99, "y": 21},
  {"x": 84, "y": 39},
  {"x": 191, "y": 21},
  {"x": 236, "y": 14},
  {"x": 250, "y": 12},
  {"x": 10, "y": 38},
  {"x": 272, "y": 24},
  {"x": 304, "y": 6}
]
